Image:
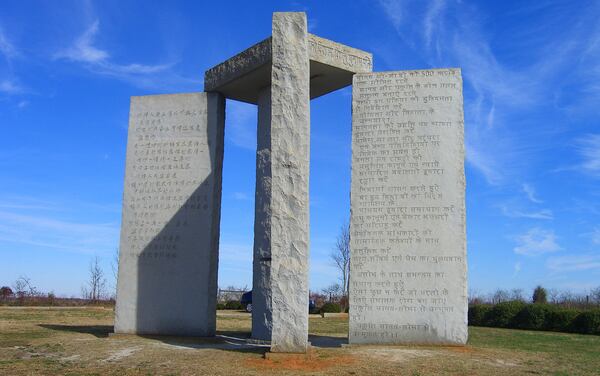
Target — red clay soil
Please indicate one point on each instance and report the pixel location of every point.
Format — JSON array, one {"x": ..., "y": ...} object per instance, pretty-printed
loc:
[{"x": 300, "y": 362}]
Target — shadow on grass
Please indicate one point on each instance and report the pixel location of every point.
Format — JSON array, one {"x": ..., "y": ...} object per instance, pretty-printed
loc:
[
  {"x": 99, "y": 331},
  {"x": 224, "y": 340},
  {"x": 327, "y": 341}
]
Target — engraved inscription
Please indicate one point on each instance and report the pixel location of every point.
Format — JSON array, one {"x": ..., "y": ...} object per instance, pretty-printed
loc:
[{"x": 408, "y": 280}]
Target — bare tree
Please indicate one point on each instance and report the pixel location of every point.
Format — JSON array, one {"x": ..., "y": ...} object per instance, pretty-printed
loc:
[
  {"x": 500, "y": 296},
  {"x": 517, "y": 294},
  {"x": 23, "y": 287},
  {"x": 96, "y": 284},
  {"x": 595, "y": 295},
  {"x": 341, "y": 257},
  {"x": 333, "y": 292},
  {"x": 114, "y": 266}
]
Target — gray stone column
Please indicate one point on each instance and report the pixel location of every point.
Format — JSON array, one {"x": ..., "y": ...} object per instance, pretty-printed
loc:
[
  {"x": 282, "y": 205},
  {"x": 261, "y": 265}
]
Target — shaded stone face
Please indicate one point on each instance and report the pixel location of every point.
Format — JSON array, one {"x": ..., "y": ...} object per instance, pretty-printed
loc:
[
  {"x": 171, "y": 211},
  {"x": 408, "y": 281}
]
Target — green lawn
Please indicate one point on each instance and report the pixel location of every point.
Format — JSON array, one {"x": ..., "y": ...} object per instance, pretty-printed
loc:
[{"x": 38, "y": 341}]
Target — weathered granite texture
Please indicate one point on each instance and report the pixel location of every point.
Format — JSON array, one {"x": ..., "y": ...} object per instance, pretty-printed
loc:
[
  {"x": 408, "y": 252},
  {"x": 289, "y": 208},
  {"x": 168, "y": 260},
  {"x": 243, "y": 76},
  {"x": 262, "y": 317}
]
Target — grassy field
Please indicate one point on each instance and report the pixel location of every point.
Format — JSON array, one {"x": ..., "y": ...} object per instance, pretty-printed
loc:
[{"x": 76, "y": 341}]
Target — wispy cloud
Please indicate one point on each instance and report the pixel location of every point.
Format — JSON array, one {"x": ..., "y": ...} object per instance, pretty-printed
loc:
[
  {"x": 83, "y": 49},
  {"x": 536, "y": 242},
  {"x": 98, "y": 60},
  {"x": 512, "y": 213},
  {"x": 531, "y": 194},
  {"x": 11, "y": 87},
  {"x": 501, "y": 93},
  {"x": 574, "y": 263},
  {"x": 6, "y": 47},
  {"x": 589, "y": 150},
  {"x": 51, "y": 233},
  {"x": 517, "y": 268},
  {"x": 241, "y": 196},
  {"x": 596, "y": 236},
  {"x": 241, "y": 124}
]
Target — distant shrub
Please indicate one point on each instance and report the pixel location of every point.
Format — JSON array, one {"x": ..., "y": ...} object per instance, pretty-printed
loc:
[
  {"x": 477, "y": 314},
  {"x": 220, "y": 306},
  {"x": 233, "y": 304},
  {"x": 518, "y": 315},
  {"x": 330, "y": 308},
  {"x": 503, "y": 314},
  {"x": 532, "y": 316},
  {"x": 587, "y": 322},
  {"x": 560, "y": 319}
]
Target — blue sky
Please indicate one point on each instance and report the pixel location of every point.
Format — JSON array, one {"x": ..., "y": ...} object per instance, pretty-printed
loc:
[{"x": 531, "y": 85}]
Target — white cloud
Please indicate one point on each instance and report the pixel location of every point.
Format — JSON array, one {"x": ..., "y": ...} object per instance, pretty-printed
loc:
[
  {"x": 56, "y": 234},
  {"x": 10, "y": 87},
  {"x": 97, "y": 60},
  {"x": 83, "y": 49},
  {"x": 574, "y": 263},
  {"x": 395, "y": 12},
  {"x": 589, "y": 149},
  {"x": 530, "y": 192},
  {"x": 240, "y": 196},
  {"x": 6, "y": 47},
  {"x": 431, "y": 19},
  {"x": 503, "y": 93},
  {"x": 536, "y": 242},
  {"x": 540, "y": 214}
]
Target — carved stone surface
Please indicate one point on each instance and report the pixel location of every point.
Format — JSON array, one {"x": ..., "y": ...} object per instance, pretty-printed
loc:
[
  {"x": 168, "y": 258},
  {"x": 261, "y": 263},
  {"x": 243, "y": 76},
  {"x": 408, "y": 281},
  {"x": 289, "y": 209}
]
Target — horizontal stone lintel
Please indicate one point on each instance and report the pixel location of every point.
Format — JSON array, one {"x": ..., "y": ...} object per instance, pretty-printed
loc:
[{"x": 332, "y": 66}]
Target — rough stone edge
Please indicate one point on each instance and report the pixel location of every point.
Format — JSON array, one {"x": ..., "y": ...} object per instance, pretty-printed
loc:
[
  {"x": 260, "y": 54},
  {"x": 240, "y": 64},
  {"x": 290, "y": 160}
]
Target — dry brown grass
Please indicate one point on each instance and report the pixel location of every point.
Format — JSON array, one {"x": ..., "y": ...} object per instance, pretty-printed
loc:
[{"x": 36, "y": 341}]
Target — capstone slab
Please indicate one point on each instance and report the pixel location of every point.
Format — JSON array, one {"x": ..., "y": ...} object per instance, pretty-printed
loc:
[
  {"x": 243, "y": 76},
  {"x": 408, "y": 280},
  {"x": 168, "y": 261}
]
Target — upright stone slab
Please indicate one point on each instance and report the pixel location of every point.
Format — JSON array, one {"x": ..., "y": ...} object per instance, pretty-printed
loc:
[
  {"x": 168, "y": 260},
  {"x": 288, "y": 218},
  {"x": 408, "y": 281},
  {"x": 280, "y": 74}
]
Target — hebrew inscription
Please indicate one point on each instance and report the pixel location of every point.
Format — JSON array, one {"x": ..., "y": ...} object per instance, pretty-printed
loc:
[
  {"x": 171, "y": 208},
  {"x": 408, "y": 253}
]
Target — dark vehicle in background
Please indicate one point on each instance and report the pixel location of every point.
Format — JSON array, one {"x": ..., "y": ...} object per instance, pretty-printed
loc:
[{"x": 246, "y": 302}]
